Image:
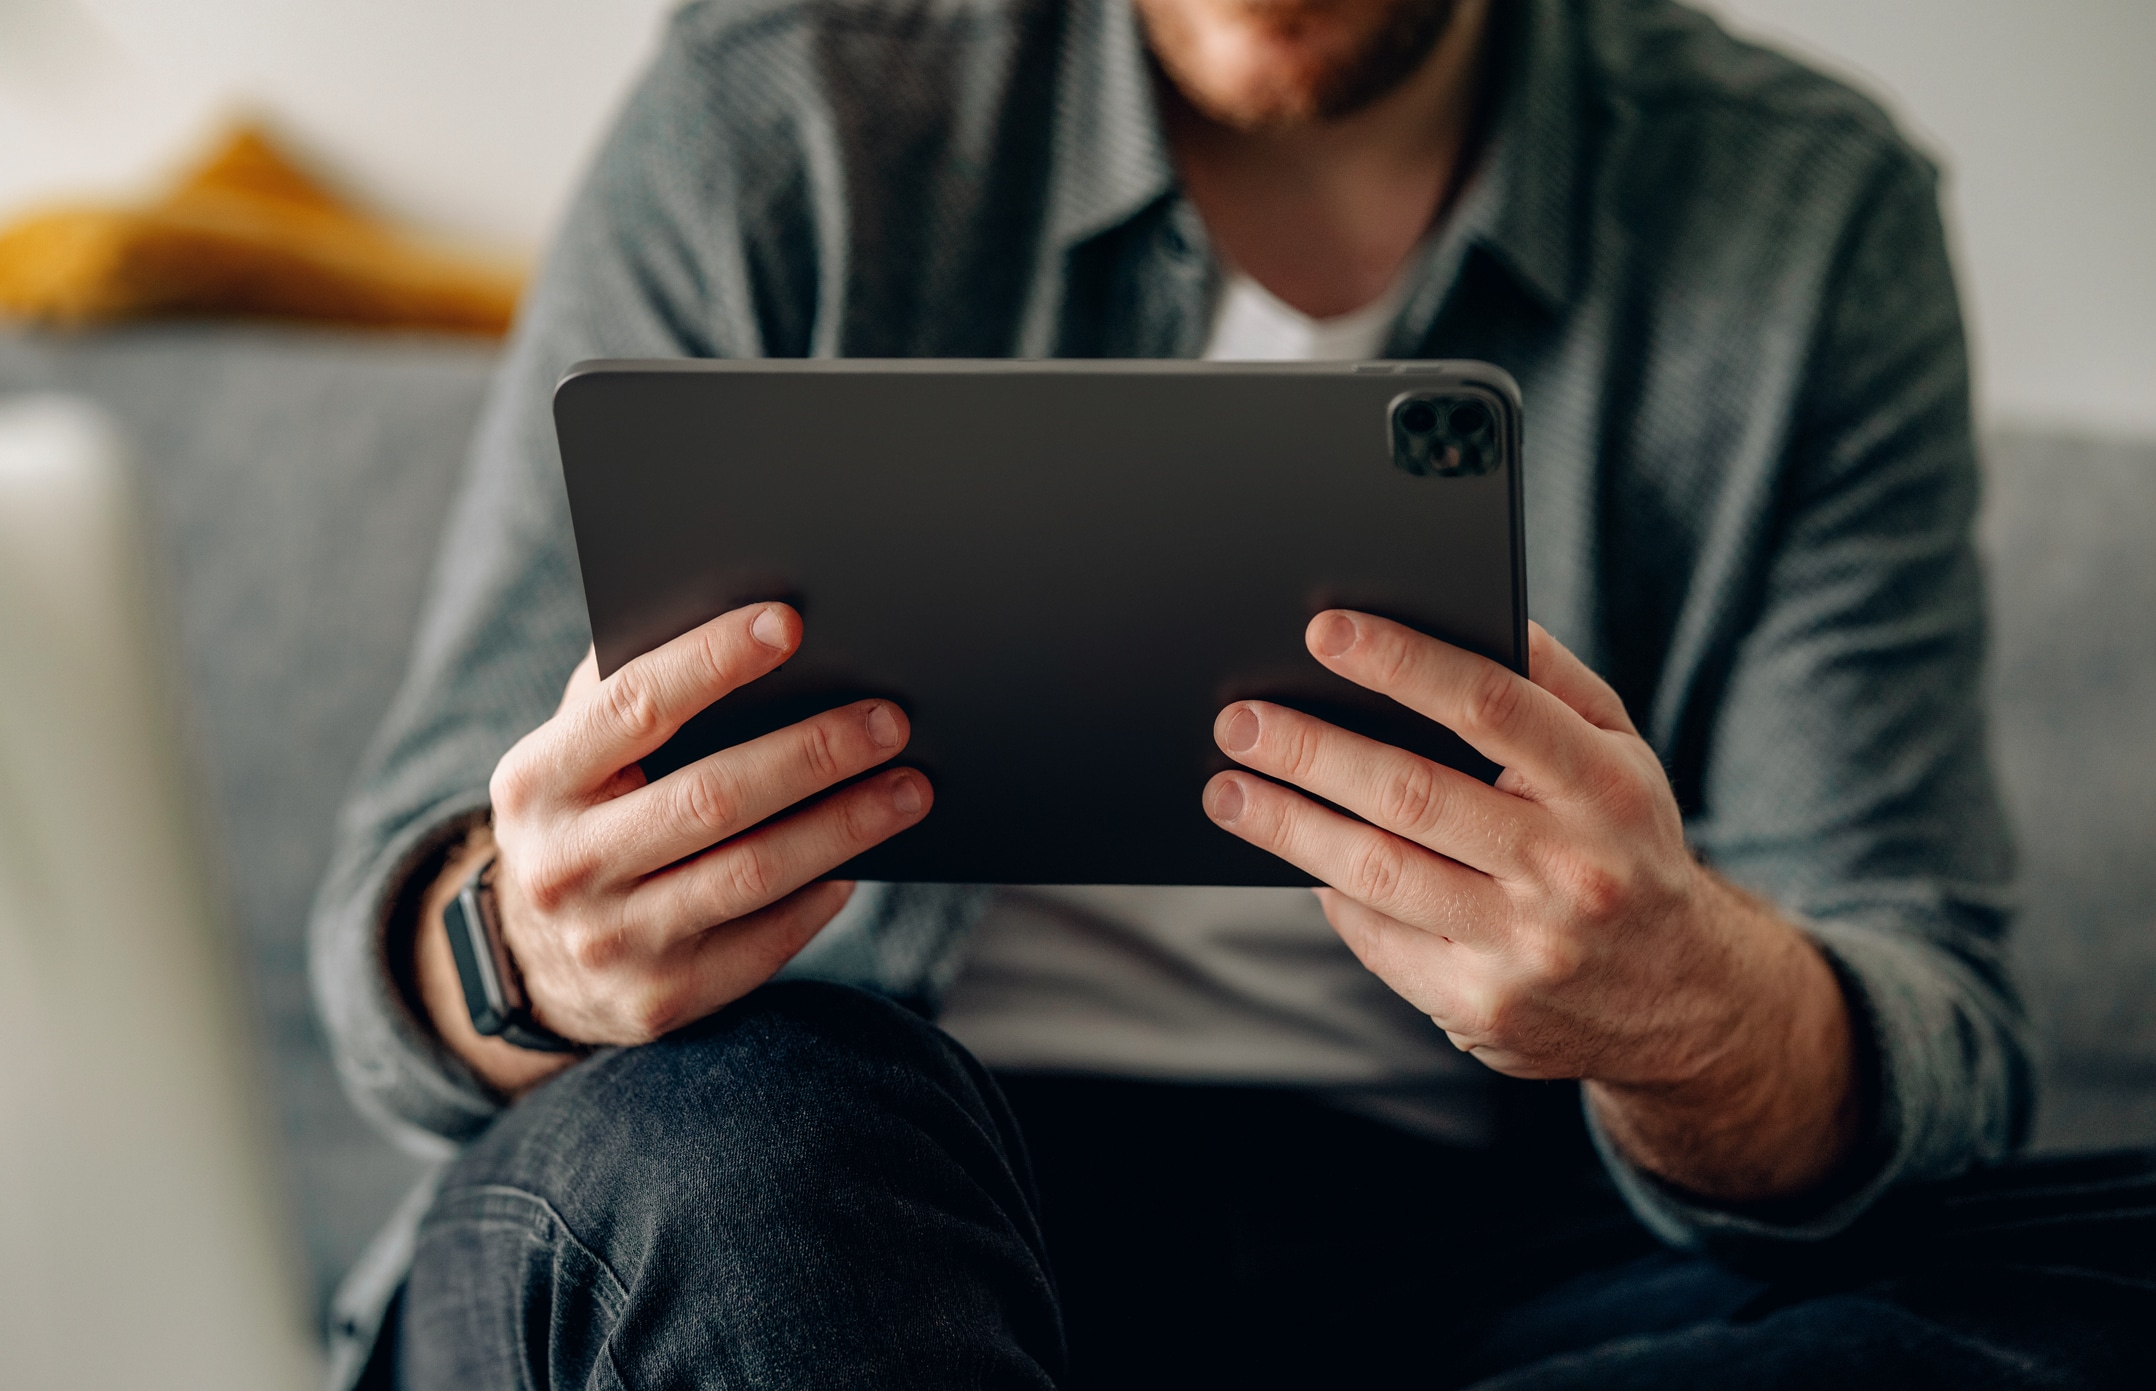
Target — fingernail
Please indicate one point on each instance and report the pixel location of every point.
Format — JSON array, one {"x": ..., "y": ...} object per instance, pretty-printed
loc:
[
  {"x": 1241, "y": 731},
  {"x": 906, "y": 796},
  {"x": 1225, "y": 800},
  {"x": 769, "y": 629},
  {"x": 1335, "y": 634},
  {"x": 883, "y": 727}
]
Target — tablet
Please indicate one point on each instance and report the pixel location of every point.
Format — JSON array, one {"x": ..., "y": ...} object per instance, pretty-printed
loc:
[{"x": 1060, "y": 570}]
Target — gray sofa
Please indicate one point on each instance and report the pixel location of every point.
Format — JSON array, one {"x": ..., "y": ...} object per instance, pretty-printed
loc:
[{"x": 298, "y": 479}]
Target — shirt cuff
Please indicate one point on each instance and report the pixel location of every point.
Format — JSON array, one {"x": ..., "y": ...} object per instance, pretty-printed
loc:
[{"x": 394, "y": 1067}]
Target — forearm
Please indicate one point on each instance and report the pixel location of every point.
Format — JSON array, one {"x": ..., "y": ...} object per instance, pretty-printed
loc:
[
  {"x": 1776, "y": 1103},
  {"x": 509, "y": 1070}
]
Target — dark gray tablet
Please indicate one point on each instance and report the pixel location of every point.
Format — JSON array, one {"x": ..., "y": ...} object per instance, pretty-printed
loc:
[{"x": 1061, "y": 570}]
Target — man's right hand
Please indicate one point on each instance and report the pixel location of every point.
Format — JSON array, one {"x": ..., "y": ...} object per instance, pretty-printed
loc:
[{"x": 631, "y": 909}]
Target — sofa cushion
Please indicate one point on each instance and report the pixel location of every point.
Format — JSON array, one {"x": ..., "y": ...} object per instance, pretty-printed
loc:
[{"x": 2069, "y": 532}]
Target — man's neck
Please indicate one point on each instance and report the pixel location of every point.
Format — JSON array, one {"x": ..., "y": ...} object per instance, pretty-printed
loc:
[{"x": 1325, "y": 215}]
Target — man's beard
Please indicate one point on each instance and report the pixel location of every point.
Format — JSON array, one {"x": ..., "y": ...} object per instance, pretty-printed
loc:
[{"x": 1391, "y": 49}]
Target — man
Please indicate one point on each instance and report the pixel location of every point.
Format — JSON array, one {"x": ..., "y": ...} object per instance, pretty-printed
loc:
[{"x": 1257, "y": 1152}]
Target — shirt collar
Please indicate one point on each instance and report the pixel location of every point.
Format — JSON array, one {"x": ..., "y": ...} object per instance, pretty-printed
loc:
[
  {"x": 1112, "y": 161},
  {"x": 1111, "y": 154}
]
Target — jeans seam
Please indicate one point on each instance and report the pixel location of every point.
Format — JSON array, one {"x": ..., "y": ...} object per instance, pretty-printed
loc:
[
  {"x": 613, "y": 1367},
  {"x": 616, "y": 1294}
]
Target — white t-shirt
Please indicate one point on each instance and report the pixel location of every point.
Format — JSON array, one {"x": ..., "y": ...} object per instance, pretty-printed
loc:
[{"x": 1214, "y": 984}]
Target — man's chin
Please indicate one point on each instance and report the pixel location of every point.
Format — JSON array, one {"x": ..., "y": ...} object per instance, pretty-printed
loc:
[
  {"x": 1267, "y": 86},
  {"x": 1273, "y": 64}
]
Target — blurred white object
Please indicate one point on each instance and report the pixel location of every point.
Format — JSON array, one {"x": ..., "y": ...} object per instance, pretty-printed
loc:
[{"x": 143, "y": 1236}]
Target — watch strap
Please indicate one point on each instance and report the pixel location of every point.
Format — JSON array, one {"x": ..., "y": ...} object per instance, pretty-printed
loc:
[{"x": 493, "y": 991}]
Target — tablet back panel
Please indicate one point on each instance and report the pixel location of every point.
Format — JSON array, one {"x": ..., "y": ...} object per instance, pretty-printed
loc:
[{"x": 1061, "y": 570}]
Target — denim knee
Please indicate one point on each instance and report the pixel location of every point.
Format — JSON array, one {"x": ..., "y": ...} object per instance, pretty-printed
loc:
[
  {"x": 782, "y": 1081},
  {"x": 811, "y": 1186}
]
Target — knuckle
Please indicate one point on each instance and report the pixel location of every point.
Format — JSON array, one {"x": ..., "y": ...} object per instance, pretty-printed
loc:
[
  {"x": 819, "y": 752},
  {"x": 1551, "y": 959},
  {"x": 712, "y": 653},
  {"x": 1411, "y": 799},
  {"x": 1477, "y": 1013},
  {"x": 593, "y": 949},
  {"x": 567, "y": 866},
  {"x": 1598, "y": 892},
  {"x": 1374, "y": 872},
  {"x": 545, "y": 896},
  {"x": 1273, "y": 821},
  {"x": 1301, "y": 749},
  {"x": 510, "y": 790},
  {"x": 706, "y": 803},
  {"x": 861, "y": 820},
  {"x": 1392, "y": 662},
  {"x": 544, "y": 887},
  {"x": 748, "y": 878},
  {"x": 654, "y": 1010},
  {"x": 1284, "y": 744},
  {"x": 633, "y": 706},
  {"x": 1494, "y": 698},
  {"x": 557, "y": 867},
  {"x": 1502, "y": 1015}
]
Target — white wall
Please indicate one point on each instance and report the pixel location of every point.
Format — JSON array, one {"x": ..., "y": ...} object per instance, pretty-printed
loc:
[
  {"x": 472, "y": 117},
  {"x": 2045, "y": 117}
]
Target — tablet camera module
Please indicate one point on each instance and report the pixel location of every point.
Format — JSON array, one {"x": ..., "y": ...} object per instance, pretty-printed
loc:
[{"x": 1444, "y": 436}]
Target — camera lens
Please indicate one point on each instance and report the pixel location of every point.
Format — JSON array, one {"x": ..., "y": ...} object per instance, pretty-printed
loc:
[
  {"x": 1418, "y": 419},
  {"x": 1468, "y": 419}
]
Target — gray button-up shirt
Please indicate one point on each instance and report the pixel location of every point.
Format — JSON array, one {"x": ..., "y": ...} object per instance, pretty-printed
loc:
[{"x": 1719, "y": 278}]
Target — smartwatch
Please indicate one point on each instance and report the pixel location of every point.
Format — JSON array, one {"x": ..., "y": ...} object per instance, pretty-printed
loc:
[{"x": 493, "y": 991}]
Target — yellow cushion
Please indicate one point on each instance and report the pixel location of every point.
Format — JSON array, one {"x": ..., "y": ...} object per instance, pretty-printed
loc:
[{"x": 248, "y": 233}]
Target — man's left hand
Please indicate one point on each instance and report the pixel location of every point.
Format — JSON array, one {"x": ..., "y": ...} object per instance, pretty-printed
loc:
[{"x": 1556, "y": 924}]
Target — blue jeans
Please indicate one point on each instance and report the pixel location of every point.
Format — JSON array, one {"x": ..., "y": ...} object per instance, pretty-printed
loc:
[{"x": 815, "y": 1188}]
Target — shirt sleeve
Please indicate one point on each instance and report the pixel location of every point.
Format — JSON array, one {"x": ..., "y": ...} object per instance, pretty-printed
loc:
[
  {"x": 648, "y": 264},
  {"x": 1847, "y": 775}
]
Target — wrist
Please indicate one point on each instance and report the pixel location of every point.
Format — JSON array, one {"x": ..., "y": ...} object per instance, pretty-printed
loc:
[
  {"x": 1763, "y": 1101},
  {"x": 494, "y": 993},
  {"x": 504, "y": 1067}
]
